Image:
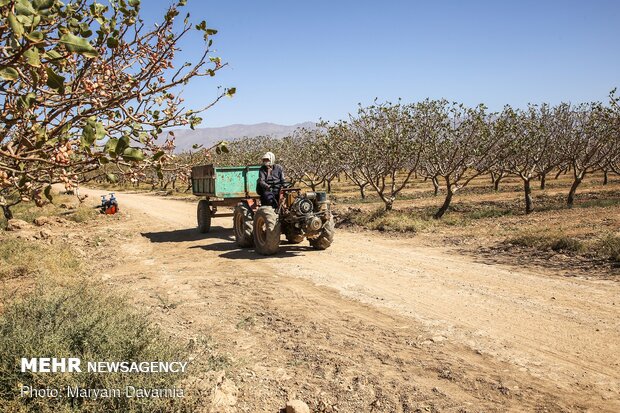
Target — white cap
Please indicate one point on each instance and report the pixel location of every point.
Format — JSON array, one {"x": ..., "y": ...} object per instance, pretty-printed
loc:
[{"x": 270, "y": 156}]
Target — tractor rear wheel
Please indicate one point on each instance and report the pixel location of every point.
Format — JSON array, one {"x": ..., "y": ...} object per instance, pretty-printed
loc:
[
  {"x": 242, "y": 224},
  {"x": 266, "y": 231},
  {"x": 323, "y": 241},
  {"x": 204, "y": 216}
]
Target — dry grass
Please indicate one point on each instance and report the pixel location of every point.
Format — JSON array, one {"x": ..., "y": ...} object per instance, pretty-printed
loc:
[
  {"x": 19, "y": 257},
  {"x": 556, "y": 242},
  {"x": 82, "y": 320},
  {"x": 64, "y": 206}
]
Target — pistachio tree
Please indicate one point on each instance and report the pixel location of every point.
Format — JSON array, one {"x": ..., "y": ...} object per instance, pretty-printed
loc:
[
  {"x": 85, "y": 84},
  {"x": 457, "y": 144},
  {"x": 587, "y": 141},
  {"x": 379, "y": 146},
  {"x": 530, "y": 137},
  {"x": 313, "y": 161}
]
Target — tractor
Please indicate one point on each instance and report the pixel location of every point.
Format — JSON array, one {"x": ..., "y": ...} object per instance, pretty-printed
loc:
[{"x": 299, "y": 215}]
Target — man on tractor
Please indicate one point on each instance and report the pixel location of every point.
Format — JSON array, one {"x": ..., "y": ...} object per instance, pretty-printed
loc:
[{"x": 270, "y": 180}]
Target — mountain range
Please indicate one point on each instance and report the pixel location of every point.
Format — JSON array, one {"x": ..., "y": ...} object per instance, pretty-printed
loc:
[{"x": 207, "y": 137}]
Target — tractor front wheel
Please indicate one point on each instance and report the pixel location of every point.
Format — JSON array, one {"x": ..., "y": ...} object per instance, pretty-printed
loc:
[
  {"x": 242, "y": 224},
  {"x": 204, "y": 216},
  {"x": 267, "y": 231}
]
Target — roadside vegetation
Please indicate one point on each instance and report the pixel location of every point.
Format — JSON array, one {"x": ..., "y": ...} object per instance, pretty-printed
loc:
[
  {"x": 63, "y": 206},
  {"x": 83, "y": 320},
  {"x": 52, "y": 304}
]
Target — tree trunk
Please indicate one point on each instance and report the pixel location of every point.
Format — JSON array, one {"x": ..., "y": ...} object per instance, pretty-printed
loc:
[
  {"x": 436, "y": 186},
  {"x": 363, "y": 191},
  {"x": 605, "y": 177},
  {"x": 7, "y": 212},
  {"x": 570, "y": 200},
  {"x": 388, "y": 204},
  {"x": 329, "y": 186},
  {"x": 527, "y": 189},
  {"x": 543, "y": 181},
  {"x": 446, "y": 203},
  {"x": 496, "y": 182}
]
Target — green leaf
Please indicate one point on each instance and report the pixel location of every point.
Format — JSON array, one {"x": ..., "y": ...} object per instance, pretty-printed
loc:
[
  {"x": 17, "y": 27},
  {"x": 9, "y": 73},
  {"x": 52, "y": 55},
  {"x": 55, "y": 81},
  {"x": 194, "y": 121},
  {"x": 123, "y": 143},
  {"x": 78, "y": 44},
  {"x": 24, "y": 8},
  {"x": 231, "y": 91},
  {"x": 158, "y": 155},
  {"x": 103, "y": 160},
  {"x": 92, "y": 131},
  {"x": 35, "y": 37},
  {"x": 133, "y": 154},
  {"x": 110, "y": 146},
  {"x": 43, "y": 4},
  {"x": 112, "y": 42},
  {"x": 111, "y": 178},
  {"x": 32, "y": 57},
  {"x": 26, "y": 101}
]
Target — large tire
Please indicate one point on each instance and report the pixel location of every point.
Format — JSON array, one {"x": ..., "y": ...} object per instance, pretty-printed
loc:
[
  {"x": 204, "y": 216},
  {"x": 242, "y": 224},
  {"x": 266, "y": 231},
  {"x": 323, "y": 241}
]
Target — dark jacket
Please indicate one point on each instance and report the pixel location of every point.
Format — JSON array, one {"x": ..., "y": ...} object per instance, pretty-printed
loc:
[{"x": 266, "y": 179}]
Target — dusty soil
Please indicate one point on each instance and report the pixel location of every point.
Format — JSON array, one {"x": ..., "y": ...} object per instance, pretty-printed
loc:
[{"x": 374, "y": 323}]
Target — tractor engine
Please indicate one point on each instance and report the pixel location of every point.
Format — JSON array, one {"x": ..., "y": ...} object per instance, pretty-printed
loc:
[{"x": 310, "y": 212}]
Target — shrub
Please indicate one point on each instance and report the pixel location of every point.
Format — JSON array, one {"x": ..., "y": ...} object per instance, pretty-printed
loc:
[
  {"x": 86, "y": 322},
  {"x": 381, "y": 220},
  {"x": 546, "y": 242},
  {"x": 609, "y": 247}
]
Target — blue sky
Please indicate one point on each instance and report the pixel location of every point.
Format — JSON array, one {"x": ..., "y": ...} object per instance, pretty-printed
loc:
[{"x": 295, "y": 61}]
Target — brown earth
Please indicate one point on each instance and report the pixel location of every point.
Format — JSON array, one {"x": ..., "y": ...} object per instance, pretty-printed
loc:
[{"x": 374, "y": 323}]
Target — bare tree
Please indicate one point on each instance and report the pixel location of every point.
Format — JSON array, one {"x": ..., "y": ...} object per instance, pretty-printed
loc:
[
  {"x": 457, "y": 144},
  {"x": 587, "y": 141},
  {"x": 530, "y": 137},
  {"x": 379, "y": 146}
]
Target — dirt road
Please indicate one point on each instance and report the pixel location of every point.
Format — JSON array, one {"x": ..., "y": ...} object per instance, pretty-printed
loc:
[{"x": 376, "y": 323}]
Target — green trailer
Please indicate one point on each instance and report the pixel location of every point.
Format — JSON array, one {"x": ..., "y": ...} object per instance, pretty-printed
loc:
[{"x": 222, "y": 186}]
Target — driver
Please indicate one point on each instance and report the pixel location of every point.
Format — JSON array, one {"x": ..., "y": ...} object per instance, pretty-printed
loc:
[{"x": 270, "y": 179}]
